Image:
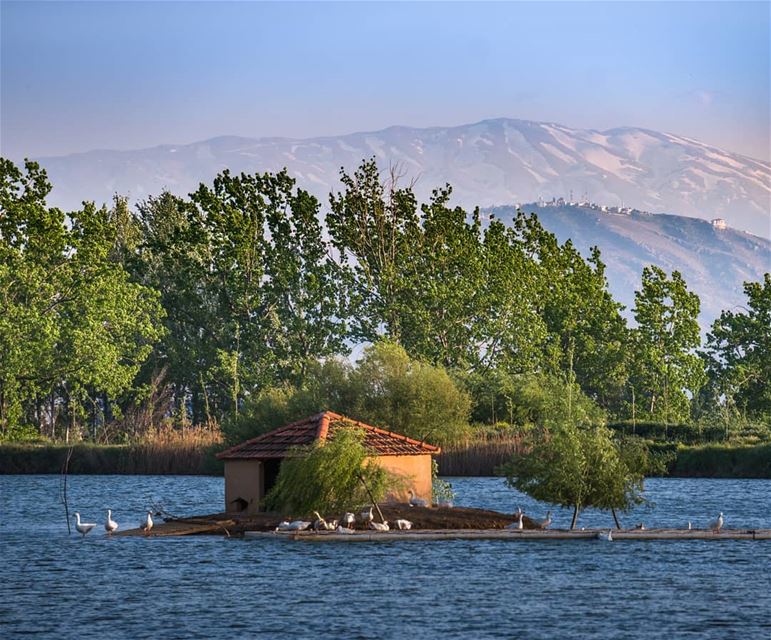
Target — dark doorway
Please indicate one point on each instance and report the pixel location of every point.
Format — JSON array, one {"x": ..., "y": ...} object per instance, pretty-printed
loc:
[{"x": 271, "y": 467}]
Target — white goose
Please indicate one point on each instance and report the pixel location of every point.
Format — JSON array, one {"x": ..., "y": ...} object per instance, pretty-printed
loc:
[
  {"x": 366, "y": 516},
  {"x": 608, "y": 537},
  {"x": 717, "y": 524},
  {"x": 147, "y": 524},
  {"x": 415, "y": 501},
  {"x": 348, "y": 519},
  {"x": 283, "y": 526},
  {"x": 319, "y": 524},
  {"x": 299, "y": 525},
  {"x": 82, "y": 527},
  {"x": 342, "y": 529},
  {"x": 401, "y": 523},
  {"x": 545, "y": 523},
  {"x": 110, "y": 525},
  {"x": 379, "y": 526},
  {"x": 518, "y": 524}
]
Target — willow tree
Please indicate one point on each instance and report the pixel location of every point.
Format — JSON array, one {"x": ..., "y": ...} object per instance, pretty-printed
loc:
[
  {"x": 330, "y": 477},
  {"x": 579, "y": 468}
]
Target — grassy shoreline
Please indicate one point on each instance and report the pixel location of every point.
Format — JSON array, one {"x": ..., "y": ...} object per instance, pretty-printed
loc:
[
  {"x": 90, "y": 459},
  {"x": 692, "y": 461}
]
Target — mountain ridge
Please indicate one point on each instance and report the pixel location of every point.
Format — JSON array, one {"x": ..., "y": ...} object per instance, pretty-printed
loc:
[
  {"x": 715, "y": 262},
  {"x": 492, "y": 162}
]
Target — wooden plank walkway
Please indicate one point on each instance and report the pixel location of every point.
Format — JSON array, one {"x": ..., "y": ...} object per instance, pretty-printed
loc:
[{"x": 512, "y": 534}]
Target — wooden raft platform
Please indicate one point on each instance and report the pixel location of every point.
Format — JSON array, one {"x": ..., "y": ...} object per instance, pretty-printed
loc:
[
  {"x": 186, "y": 527},
  {"x": 512, "y": 534}
]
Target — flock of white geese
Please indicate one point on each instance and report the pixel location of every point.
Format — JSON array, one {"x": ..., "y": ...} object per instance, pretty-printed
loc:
[
  {"x": 110, "y": 525},
  {"x": 347, "y": 521}
]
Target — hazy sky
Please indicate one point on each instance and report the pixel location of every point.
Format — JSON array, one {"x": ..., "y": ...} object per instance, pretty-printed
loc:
[{"x": 80, "y": 76}]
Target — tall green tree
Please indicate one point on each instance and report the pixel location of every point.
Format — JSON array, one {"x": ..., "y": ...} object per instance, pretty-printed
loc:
[
  {"x": 586, "y": 334},
  {"x": 369, "y": 223},
  {"x": 738, "y": 354},
  {"x": 667, "y": 371},
  {"x": 74, "y": 329},
  {"x": 252, "y": 293}
]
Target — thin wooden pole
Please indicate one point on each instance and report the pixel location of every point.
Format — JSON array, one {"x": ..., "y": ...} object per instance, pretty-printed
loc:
[
  {"x": 63, "y": 488},
  {"x": 371, "y": 497}
]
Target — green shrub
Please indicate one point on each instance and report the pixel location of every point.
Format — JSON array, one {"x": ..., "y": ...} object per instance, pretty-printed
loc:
[
  {"x": 328, "y": 477},
  {"x": 21, "y": 433}
]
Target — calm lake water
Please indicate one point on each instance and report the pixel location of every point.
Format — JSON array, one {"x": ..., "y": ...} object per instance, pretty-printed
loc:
[{"x": 59, "y": 586}]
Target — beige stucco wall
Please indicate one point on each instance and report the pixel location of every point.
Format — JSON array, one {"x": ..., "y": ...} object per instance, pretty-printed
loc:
[
  {"x": 243, "y": 479},
  {"x": 414, "y": 472}
]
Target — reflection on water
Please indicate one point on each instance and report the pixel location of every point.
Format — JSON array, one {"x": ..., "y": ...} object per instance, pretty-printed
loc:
[{"x": 60, "y": 586}]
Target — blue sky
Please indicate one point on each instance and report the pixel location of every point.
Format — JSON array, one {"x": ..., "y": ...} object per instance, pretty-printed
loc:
[{"x": 79, "y": 76}]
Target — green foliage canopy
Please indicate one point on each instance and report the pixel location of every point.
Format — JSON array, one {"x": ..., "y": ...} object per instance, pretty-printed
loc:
[
  {"x": 666, "y": 370},
  {"x": 329, "y": 477},
  {"x": 74, "y": 328},
  {"x": 739, "y": 353}
]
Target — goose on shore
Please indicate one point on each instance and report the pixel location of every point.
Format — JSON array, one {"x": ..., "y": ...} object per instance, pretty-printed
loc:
[
  {"x": 283, "y": 526},
  {"x": 342, "y": 529},
  {"x": 147, "y": 524},
  {"x": 82, "y": 527},
  {"x": 348, "y": 520},
  {"x": 415, "y": 501},
  {"x": 401, "y": 523},
  {"x": 366, "y": 516},
  {"x": 110, "y": 525},
  {"x": 545, "y": 523},
  {"x": 319, "y": 524},
  {"x": 608, "y": 537},
  {"x": 518, "y": 524},
  {"x": 717, "y": 524},
  {"x": 379, "y": 526},
  {"x": 299, "y": 525}
]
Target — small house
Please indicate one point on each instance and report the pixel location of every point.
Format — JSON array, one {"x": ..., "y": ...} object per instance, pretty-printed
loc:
[{"x": 251, "y": 468}]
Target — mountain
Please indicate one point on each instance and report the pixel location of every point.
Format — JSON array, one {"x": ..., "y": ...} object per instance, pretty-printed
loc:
[
  {"x": 715, "y": 262},
  {"x": 494, "y": 162}
]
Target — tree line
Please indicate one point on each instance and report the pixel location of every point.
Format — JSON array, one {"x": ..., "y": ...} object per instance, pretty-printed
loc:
[{"x": 247, "y": 298}]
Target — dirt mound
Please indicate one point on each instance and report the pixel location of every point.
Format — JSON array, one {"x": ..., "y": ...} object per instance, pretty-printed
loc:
[{"x": 421, "y": 518}]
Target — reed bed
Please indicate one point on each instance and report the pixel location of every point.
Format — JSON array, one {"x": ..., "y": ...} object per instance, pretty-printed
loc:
[
  {"x": 164, "y": 451},
  {"x": 479, "y": 455}
]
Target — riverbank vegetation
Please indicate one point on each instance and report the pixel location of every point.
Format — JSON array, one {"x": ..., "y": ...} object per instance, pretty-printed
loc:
[{"x": 241, "y": 304}]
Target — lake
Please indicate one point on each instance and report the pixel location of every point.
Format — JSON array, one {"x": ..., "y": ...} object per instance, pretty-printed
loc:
[{"x": 59, "y": 586}]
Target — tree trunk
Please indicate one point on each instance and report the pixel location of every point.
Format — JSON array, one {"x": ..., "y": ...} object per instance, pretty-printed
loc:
[
  {"x": 371, "y": 497},
  {"x": 615, "y": 518},
  {"x": 575, "y": 517}
]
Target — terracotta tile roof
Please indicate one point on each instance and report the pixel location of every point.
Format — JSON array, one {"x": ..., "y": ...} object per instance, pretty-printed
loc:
[{"x": 322, "y": 426}]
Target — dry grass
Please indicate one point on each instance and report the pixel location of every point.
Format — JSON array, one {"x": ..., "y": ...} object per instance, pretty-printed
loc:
[
  {"x": 478, "y": 456},
  {"x": 177, "y": 450}
]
